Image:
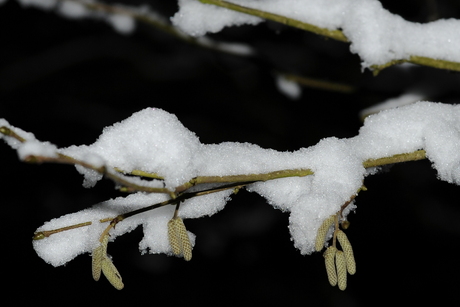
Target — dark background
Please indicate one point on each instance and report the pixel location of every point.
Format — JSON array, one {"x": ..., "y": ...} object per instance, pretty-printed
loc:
[{"x": 65, "y": 80}]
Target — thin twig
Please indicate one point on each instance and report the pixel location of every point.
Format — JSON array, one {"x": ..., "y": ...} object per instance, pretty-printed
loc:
[
  {"x": 113, "y": 221},
  {"x": 334, "y": 34}
]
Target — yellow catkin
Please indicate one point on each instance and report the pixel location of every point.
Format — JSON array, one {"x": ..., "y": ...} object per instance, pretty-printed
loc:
[
  {"x": 111, "y": 273},
  {"x": 329, "y": 259},
  {"x": 184, "y": 239},
  {"x": 97, "y": 262},
  {"x": 97, "y": 256},
  {"x": 173, "y": 237},
  {"x": 178, "y": 238},
  {"x": 348, "y": 252},
  {"x": 341, "y": 270},
  {"x": 322, "y": 232}
]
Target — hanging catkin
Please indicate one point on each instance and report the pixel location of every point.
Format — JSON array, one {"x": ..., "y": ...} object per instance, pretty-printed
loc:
[
  {"x": 178, "y": 238},
  {"x": 348, "y": 252},
  {"x": 111, "y": 273},
  {"x": 184, "y": 239},
  {"x": 329, "y": 260},
  {"x": 322, "y": 232},
  {"x": 174, "y": 241},
  {"x": 341, "y": 270},
  {"x": 97, "y": 255}
]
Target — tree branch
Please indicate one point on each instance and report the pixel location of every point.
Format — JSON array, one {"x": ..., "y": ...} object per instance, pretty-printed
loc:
[
  {"x": 334, "y": 34},
  {"x": 230, "y": 179}
]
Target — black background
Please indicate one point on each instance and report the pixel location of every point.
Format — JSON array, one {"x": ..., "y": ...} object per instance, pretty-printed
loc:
[{"x": 64, "y": 80}]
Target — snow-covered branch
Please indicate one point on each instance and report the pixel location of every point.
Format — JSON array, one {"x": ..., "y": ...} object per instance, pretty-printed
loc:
[
  {"x": 380, "y": 38},
  {"x": 311, "y": 183}
]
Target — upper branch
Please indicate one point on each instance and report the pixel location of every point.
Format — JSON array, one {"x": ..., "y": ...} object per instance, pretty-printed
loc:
[{"x": 334, "y": 34}]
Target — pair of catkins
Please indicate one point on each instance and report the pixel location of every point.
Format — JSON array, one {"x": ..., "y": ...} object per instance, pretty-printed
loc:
[{"x": 338, "y": 262}]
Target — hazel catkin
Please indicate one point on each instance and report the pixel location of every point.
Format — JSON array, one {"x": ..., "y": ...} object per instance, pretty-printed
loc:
[
  {"x": 173, "y": 238},
  {"x": 111, "y": 273},
  {"x": 329, "y": 260},
  {"x": 322, "y": 232},
  {"x": 97, "y": 255},
  {"x": 341, "y": 270},
  {"x": 185, "y": 240},
  {"x": 178, "y": 238},
  {"x": 348, "y": 252}
]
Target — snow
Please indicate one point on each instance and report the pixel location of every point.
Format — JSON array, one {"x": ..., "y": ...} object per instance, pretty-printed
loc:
[
  {"x": 376, "y": 35},
  {"x": 122, "y": 23},
  {"x": 151, "y": 140},
  {"x": 196, "y": 19},
  {"x": 43, "y": 4},
  {"x": 289, "y": 88},
  {"x": 402, "y": 100},
  {"x": 72, "y": 9},
  {"x": 63, "y": 247},
  {"x": 36, "y": 148},
  {"x": 154, "y": 140},
  {"x": 12, "y": 141},
  {"x": 406, "y": 129}
]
